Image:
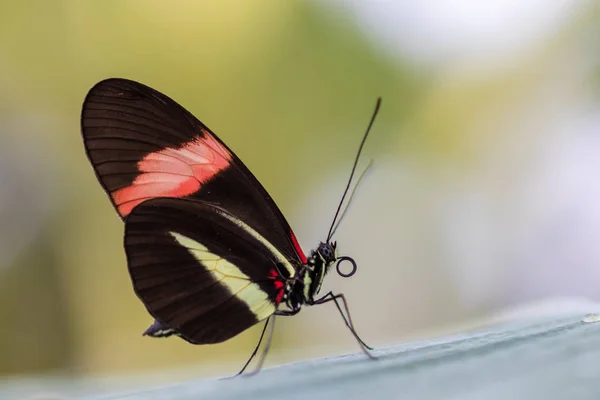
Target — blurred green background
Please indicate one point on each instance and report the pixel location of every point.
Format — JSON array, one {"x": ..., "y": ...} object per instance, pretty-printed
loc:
[{"x": 482, "y": 195}]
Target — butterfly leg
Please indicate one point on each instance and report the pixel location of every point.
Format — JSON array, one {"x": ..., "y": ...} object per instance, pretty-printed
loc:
[
  {"x": 334, "y": 297},
  {"x": 255, "y": 349},
  {"x": 263, "y": 355},
  {"x": 287, "y": 312},
  {"x": 268, "y": 342}
]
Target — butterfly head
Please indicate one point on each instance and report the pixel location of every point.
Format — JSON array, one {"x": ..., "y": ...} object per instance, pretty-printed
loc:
[
  {"x": 319, "y": 264},
  {"x": 328, "y": 253}
]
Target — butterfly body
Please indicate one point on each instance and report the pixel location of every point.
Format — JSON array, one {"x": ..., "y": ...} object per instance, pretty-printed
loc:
[{"x": 302, "y": 289}]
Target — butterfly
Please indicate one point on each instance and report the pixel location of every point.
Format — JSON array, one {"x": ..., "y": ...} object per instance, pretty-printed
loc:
[{"x": 208, "y": 251}]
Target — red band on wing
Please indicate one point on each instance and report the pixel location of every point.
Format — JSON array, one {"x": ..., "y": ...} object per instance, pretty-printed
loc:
[
  {"x": 174, "y": 172},
  {"x": 279, "y": 287},
  {"x": 298, "y": 248},
  {"x": 273, "y": 274},
  {"x": 279, "y": 296}
]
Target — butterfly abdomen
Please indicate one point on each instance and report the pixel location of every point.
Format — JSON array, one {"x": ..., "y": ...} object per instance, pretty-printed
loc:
[{"x": 159, "y": 330}]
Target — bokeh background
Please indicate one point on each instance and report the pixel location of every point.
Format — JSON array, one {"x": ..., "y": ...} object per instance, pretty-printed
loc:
[{"x": 484, "y": 194}]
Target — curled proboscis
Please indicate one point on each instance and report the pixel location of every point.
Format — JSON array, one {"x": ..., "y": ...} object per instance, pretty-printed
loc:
[{"x": 347, "y": 274}]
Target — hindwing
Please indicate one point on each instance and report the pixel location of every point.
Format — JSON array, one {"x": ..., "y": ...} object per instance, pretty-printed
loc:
[{"x": 200, "y": 270}]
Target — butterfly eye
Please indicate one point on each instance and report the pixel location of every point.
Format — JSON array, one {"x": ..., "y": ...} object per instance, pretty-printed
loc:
[{"x": 346, "y": 274}]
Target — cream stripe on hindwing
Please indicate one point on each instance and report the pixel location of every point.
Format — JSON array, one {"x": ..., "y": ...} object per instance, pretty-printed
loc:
[
  {"x": 280, "y": 258},
  {"x": 230, "y": 276}
]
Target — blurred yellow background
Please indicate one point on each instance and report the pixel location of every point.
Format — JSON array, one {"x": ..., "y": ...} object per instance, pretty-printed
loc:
[{"x": 483, "y": 194}]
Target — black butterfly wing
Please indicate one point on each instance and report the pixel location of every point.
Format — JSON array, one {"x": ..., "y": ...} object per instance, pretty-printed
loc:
[
  {"x": 200, "y": 270},
  {"x": 143, "y": 145}
]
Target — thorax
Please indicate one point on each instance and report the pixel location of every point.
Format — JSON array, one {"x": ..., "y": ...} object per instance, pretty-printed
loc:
[{"x": 308, "y": 281}]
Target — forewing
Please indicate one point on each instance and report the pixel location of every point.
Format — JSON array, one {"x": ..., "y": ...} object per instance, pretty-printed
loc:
[
  {"x": 200, "y": 270},
  {"x": 143, "y": 145}
]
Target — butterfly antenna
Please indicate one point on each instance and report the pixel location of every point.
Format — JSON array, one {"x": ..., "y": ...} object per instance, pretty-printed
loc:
[
  {"x": 360, "y": 178},
  {"x": 330, "y": 233}
]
